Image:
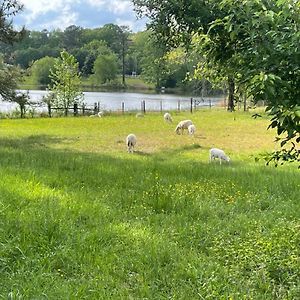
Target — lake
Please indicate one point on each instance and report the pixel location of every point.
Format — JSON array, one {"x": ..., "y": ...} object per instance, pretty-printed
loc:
[{"x": 112, "y": 101}]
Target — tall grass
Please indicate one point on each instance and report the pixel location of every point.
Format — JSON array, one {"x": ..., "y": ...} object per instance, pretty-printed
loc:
[{"x": 80, "y": 218}]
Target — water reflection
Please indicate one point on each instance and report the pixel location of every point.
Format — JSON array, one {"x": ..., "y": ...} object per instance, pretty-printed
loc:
[{"x": 114, "y": 101}]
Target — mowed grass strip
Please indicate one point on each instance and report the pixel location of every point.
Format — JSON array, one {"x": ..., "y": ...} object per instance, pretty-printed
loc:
[{"x": 80, "y": 218}]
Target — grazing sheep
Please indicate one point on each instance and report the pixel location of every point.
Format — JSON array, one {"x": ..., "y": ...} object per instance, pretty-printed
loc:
[
  {"x": 168, "y": 118},
  {"x": 183, "y": 125},
  {"x": 218, "y": 153},
  {"x": 130, "y": 142},
  {"x": 100, "y": 114},
  {"x": 192, "y": 129}
]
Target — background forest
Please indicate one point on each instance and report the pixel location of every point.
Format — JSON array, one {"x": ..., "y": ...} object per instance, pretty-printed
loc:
[{"x": 105, "y": 55}]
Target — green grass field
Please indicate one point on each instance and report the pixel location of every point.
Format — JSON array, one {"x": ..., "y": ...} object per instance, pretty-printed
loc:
[{"x": 80, "y": 218}]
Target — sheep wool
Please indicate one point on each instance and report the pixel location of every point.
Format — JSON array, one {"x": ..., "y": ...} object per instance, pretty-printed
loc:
[
  {"x": 131, "y": 142},
  {"x": 192, "y": 129},
  {"x": 218, "y": 153},
  {"x": 168, "y": 117},
  {"x": 183, "y": 125}
]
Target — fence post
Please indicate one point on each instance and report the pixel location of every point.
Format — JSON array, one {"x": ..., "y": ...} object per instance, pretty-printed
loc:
[
  {"x": 98, "y": 105},
  {"x": 95, "y": 108},
  {"x": 178, "y": 105},
  {"x": 123, "y": 107},
  {"x": 144, "y": 106},
  {"x": 191, "y": 105},
  {"x": 83, "y": 109},
  {"x": 161, "y": 107},
  {"x": 210, "y": 103},
  {"x": 49, "y": 110},
  {"x": 75, "y": 109}
]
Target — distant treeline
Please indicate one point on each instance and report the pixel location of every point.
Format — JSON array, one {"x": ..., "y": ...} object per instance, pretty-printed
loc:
[{"x": 106, "y": 52}]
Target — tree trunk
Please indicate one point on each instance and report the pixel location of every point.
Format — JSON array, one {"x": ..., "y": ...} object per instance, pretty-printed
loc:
[
  {"x": 231, "y": 88},
  {"x": 22, "y": 110},
  {"x": 123, "y": 59},
  {"x": 49, "y": 109}
]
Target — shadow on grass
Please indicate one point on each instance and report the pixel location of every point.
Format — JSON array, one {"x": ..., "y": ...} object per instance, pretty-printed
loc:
[
  {"x": 36, "y": 152},
  {"x": 177, "y": 150},
  {"x": 67, "y": 168},
  {"x": 141, "y": 153},
  {"x": 95, "y": 206},
  {"x": 32, "y": 141}
]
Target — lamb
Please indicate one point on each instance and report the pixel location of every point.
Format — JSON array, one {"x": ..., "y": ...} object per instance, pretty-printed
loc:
[
  {"x": 130, "y": 142},
  {"x": 100, "y": 114},
  {"x": 218, "y": 153},
  {"x": 183, "y": 125},
  {"x": 168, "y": 118},
  {"x": 192, "y": 129}
]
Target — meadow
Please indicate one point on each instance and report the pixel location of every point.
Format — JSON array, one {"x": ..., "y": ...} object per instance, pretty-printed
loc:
[{"x": 80, "y": 218}]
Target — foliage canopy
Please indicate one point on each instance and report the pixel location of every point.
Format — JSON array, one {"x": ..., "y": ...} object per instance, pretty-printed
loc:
[{"x": 9, "y": 75}]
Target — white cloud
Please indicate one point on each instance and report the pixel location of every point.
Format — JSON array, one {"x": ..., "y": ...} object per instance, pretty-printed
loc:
[
  {"x": 53, "y": 14},
  {"x": 117, "y": 7},
  {"x": 65, "y": 19},
  {"x": 36, "y": 8}
]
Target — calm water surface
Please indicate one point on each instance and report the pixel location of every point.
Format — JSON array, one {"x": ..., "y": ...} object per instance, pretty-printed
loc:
[{"x": 132, "y": 101}]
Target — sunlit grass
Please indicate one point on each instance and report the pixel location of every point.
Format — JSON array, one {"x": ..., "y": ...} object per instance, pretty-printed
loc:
[{"x": 80, "y": 218}]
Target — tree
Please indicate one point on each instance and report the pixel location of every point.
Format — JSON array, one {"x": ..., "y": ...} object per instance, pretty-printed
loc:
[
  {"x": 72, "y": 37},
  {"x": 154, "y": 62},
  {"x": 271, "y": 69},
  {"x": 124, "y": 48},
  {"x": 111, "y": 34},
  {"x": 22, "y": 99},
  {"x": 136, "y": 49},
  {"x": 9, "y": 75},
  {"x": 8, "y": 34},
  {"x": 117, "y": 39},
  {"x": 93, "y": 50},
  {"x": 40, "y": 70},
  {"x": 65, "y": 81},
  {"x": 255, "y": 45},
  {"x": 106, "y": 68},
  {"x": 9, "y": 78},
  {"x": 174, "y": 28}
]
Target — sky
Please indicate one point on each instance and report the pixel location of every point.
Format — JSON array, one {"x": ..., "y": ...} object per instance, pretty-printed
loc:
[{"x": 59, "y": 14}]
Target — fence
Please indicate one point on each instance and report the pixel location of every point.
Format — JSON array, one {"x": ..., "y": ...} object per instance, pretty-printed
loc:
[
  {"x": 182, "y": 105},
  {"x": 144, "y": 106}
]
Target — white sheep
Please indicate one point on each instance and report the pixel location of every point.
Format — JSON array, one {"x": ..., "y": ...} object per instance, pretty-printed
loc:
[
  {"x": 168, "y": 117},
  {"x": 100, "y": 114},
  {"x": 192, "y": 129},
  {"x": 218, "y": 153},
  {"x": 183, "y": 125},
  {"x": 130, "y": 142}
]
